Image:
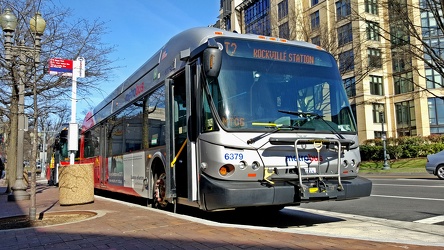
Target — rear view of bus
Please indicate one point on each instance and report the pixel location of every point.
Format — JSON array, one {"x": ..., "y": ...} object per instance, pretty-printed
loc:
[{"x": 278, "y": 128}]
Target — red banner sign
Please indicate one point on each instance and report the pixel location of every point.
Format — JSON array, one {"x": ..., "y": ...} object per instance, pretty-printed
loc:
[{"x": 58, "y": 66}]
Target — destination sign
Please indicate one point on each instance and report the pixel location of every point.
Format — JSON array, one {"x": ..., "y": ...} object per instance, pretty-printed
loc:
[{"x": 276, "y": 52}]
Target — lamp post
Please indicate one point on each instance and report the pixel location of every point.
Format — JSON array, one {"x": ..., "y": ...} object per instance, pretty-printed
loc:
[
  {"x": 385, "y": 165},
  {"x": 37, "y": 26}
]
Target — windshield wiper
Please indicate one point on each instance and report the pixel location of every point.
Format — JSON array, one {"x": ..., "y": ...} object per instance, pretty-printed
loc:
[
  {"x": 315, "y": 116},
  {"x": 276, "y": 127},
  {"x": 303, "y": 114}
]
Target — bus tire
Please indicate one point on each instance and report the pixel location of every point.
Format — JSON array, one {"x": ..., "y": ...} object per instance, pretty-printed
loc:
[{"x": 159, "y": 188}]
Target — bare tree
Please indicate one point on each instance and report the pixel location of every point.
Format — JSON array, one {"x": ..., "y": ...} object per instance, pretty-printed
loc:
[
  {"x": 64, "y": 37},
  {"x": 412, "y": 34}
]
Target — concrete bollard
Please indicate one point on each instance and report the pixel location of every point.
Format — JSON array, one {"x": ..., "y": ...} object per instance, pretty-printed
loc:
[{"x": 76, "y": 184}]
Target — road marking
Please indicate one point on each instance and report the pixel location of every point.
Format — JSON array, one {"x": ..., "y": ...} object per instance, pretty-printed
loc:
[
  {"x": 406, "y": 197},
  {"x": 431, "y": 220},
  {"x": 405, "y": 185}
]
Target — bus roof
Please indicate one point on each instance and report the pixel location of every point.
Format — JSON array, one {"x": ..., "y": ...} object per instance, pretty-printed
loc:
[{"x": 164, "y": 63}]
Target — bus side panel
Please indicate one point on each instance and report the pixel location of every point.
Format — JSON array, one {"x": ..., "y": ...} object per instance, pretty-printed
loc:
[
  {"x": 123, "y": 174},
  {"x": 134, "y": 172}
]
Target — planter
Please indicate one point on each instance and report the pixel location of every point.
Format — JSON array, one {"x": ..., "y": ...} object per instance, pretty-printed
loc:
[{"x": 76, "y": 184}]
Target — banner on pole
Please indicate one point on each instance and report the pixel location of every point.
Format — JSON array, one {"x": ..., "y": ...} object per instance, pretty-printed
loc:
[{"x": 58, "y": 66}]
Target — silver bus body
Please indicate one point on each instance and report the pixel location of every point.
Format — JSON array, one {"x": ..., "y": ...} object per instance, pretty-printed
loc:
[{"x": 220, "y": 120}]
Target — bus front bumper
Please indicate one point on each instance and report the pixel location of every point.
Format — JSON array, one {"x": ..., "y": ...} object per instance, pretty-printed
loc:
[{"x": 218, "y": 194}]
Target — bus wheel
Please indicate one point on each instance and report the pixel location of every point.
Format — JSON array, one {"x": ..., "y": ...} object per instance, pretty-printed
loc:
[{"x": 159, "y": 191}]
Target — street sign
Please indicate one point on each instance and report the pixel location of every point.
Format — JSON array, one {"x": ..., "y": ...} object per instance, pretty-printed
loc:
[
  {"x": 58, "y": 66},
  {"x": 79, "y": 67},
  {"x": 74, "y": 69}
]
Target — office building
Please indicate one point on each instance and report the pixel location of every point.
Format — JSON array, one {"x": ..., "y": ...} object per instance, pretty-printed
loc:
[{"x": 382, "y": 64}]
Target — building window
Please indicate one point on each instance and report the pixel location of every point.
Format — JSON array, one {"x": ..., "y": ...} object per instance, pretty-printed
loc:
[
  {"x": 374, "y": 58},
  {"x": 350, "y": 86},
  {"x": 346, "y": 61},
  {"x": 345, "y": 34},
  {"x": 434, "y": 49},
  {"x": 399, "y": 34},
  {"x": 314, "y": 2},
  {"x": 282, "y": 9},
  {"x": 436, "y": 115},
  {"x": 343, "y": 9},
  {"x": 371, "y": 6},
  {"x": 376, "y": 85},
  {"x": 353, "y": 108},
  {"x": 372, "y": 31},
  {"x": 377, "y": 116},
  {"x": 377, "y": 134},
  {"x": 401, "y": 61},
  {"x": 257, "y": 20},
  {"x": 315, "y": 21},
  {"x": 403, "y": 83},
  {"x": 429, "y": 25},
  {"x": 284, "y": 31},
  {"x": 316, "y": 40},
  {"x": 434, "y": 79},
  {"x": 227, "y": 21},
  {"x": 405, "y": 118}
]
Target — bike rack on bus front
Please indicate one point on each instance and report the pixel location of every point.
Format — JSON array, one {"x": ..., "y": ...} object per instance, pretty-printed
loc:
[{"x": 328, "y": 190}]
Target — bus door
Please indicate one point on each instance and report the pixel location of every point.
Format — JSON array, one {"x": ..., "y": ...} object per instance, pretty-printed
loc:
[
  {"x": 192, "y": 90},
  {"x": 103, "y": 155},
  {"x": 178, "y": 148}
]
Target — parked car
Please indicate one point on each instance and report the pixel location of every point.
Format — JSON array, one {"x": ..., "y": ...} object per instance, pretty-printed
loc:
[{"x": 435, "y": 164}]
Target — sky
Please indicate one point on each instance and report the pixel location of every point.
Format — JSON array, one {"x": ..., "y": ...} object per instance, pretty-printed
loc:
[{"x": 138, "y": 28}]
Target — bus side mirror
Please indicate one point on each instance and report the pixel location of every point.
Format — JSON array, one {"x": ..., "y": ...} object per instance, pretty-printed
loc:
[{"x": 212, "y": 60}]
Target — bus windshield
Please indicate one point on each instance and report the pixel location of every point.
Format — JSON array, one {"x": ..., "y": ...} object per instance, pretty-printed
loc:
[{"x": 265, "y": 85}]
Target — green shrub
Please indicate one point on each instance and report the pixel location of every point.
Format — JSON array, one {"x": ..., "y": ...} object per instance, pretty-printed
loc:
[
  {"x": 436, "y": 138},
  {"x": 403, "y": 147},
  {"x": 371, "y": 153},
  {"x": 395, "y": 152}
]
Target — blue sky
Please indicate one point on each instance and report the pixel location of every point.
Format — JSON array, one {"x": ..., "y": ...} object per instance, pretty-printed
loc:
[{"x": 138, "y": 28}]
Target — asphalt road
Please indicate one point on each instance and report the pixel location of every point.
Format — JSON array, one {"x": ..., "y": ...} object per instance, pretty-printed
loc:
[
  {"x": 401, "y": 209},
  {"x": 402, "y": 198}
]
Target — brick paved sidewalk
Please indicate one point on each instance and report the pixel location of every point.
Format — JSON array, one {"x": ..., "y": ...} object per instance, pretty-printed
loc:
[{"x": 133, "y": 227}]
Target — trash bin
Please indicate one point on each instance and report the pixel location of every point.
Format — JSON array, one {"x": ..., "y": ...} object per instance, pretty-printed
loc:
[{"x": 76, "y": 184}]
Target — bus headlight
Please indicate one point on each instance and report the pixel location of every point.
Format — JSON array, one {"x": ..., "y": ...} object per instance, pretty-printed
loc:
[
  {"x": 255, "y": 165},
  {"x": 242, "y": 165},
  {"x": 353, "y": 163}
]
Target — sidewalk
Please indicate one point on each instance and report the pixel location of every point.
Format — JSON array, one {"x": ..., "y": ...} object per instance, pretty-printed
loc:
[{"x": 127, "y": 226}]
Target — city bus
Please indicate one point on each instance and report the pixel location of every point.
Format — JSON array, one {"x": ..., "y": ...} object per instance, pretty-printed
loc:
[
  {"x": 221, "y": 120},
  {"x": 59, "y": 155}
]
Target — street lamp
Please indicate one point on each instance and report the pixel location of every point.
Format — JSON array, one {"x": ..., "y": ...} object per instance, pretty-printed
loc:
[
  {"x": 8, "y": 22},
  {"x": 385, "y": 165}
]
